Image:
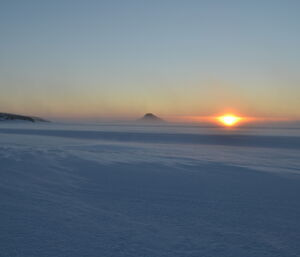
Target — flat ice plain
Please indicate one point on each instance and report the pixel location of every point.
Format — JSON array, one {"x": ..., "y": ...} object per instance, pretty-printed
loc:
[{"x": 148, "y": 191}]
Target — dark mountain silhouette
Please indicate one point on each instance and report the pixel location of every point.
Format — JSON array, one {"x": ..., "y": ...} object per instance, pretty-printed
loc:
[
  {"x": 10, "y": 116},
  {"x": 150, "y": 117}
]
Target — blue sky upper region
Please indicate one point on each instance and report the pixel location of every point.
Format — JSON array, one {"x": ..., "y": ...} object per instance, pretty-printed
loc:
[{"x": 119, "y": 59}]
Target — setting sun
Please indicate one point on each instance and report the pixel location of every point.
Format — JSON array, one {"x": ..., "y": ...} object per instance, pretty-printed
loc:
[{"x": 229, "y": 120}]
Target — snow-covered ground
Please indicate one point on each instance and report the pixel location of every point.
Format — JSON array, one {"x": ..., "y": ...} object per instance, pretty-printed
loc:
[{"x": 132, "y": 190}]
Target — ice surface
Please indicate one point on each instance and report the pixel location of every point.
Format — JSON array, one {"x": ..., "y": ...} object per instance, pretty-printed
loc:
[{"x": 132, "y": 190}]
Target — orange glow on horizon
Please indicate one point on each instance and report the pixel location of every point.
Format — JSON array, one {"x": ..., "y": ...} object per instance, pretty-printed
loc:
[
  {"x": 229, "y": 120},
  {"x": 219, "y": 119}
]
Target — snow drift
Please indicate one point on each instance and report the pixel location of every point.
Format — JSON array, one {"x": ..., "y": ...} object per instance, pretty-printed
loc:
[{"x": 126, "y": 191}]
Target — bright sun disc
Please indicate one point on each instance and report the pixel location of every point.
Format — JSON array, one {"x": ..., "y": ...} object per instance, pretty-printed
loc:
[{"x": 229, "y": 120}]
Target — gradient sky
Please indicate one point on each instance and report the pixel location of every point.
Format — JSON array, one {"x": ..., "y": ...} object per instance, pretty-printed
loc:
[{"x": 119, "y": 59}]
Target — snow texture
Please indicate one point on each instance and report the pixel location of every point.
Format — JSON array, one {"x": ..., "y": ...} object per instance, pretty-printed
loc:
[{"x": 130, "y": 190}]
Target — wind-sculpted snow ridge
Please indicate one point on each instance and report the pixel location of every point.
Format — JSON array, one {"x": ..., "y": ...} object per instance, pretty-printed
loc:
[{"x": 71, "y": 192}]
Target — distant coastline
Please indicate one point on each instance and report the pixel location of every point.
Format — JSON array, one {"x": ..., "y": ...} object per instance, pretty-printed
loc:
[{"x": 18, "y": 117}]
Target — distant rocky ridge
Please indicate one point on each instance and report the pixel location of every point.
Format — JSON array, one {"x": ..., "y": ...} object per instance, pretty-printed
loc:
[
  {"x": 10, "y": 116},
  {"x": 150, "y": 117}
]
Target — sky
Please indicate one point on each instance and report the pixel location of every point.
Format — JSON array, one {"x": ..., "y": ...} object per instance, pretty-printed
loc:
[{"x": 93, "y": 59}]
